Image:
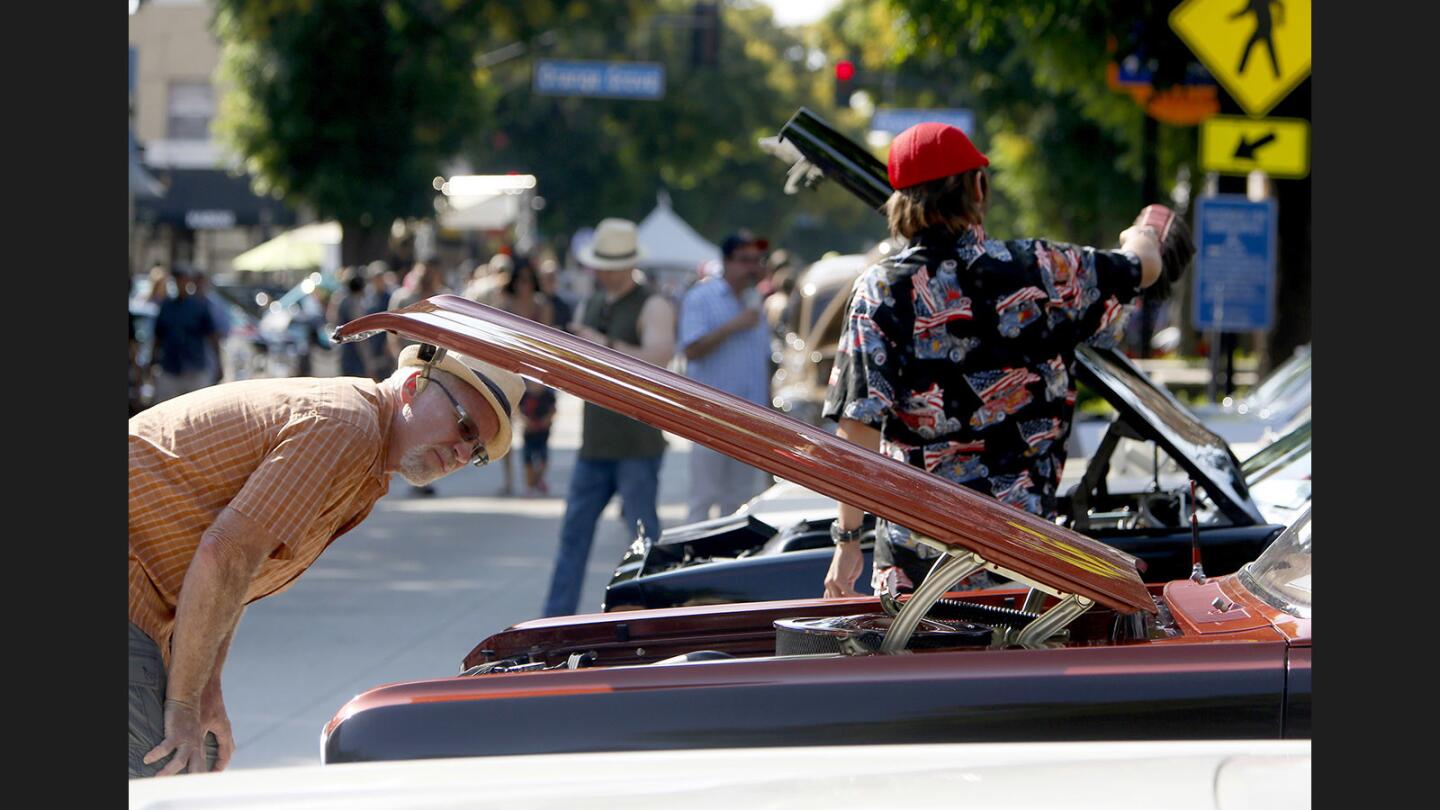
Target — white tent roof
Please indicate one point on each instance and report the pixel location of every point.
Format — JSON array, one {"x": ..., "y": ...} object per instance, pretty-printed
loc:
[{"x": 667, "y": 241}]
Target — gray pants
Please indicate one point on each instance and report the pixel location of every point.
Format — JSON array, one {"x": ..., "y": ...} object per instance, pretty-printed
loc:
[
  {"x": 169, "y": 386},
  {"x": 147, "y": 706},
  {"x": 718, "y": 480}
]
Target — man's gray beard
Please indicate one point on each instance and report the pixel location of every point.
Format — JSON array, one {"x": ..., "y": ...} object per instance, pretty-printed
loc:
[{"x": 413, "y": 468}]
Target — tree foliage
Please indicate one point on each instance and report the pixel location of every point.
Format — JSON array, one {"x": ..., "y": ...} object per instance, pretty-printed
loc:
[
  {"x": 351, "y": 107},
  {"x": 598, "y": 157},
  {"x": 347, "y": 107},
  {"x": 1065, "y": 149}
]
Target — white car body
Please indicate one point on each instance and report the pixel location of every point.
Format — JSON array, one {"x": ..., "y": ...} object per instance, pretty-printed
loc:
[{"x": 1210, "y": 775}]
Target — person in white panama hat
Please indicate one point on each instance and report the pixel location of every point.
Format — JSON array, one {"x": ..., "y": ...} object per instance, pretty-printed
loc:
[
  {"x": 236, "y": 489},
  {"x": 617, "y": 454}
]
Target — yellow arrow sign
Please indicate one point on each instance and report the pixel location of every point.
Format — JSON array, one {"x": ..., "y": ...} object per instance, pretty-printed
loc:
[
  {"x": 1231, "y": 144},
  {"x": 1258, "y": 49}
]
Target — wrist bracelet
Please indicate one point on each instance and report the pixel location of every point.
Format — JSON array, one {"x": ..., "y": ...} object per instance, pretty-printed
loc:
[{"x": 839, "y": 535}]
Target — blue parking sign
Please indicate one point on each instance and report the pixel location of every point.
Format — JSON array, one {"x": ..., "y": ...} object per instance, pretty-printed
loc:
[{"x": 1234, "y": 264}]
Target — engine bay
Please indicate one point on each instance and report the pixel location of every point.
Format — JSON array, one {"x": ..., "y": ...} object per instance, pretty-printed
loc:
[{"x": 989, "y": 620}]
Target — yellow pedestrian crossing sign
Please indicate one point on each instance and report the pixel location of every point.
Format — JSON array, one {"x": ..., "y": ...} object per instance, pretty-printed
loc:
[
  {"x": 1258, "y": 49},
  {"x": 1234, "y": 144}
]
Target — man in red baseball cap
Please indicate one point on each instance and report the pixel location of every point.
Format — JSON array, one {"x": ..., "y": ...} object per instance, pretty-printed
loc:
[{"x": 959, "y": 350}]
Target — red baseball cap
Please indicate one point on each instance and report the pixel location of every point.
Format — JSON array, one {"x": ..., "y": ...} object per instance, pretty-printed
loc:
[{"x": 930, "y": 151}]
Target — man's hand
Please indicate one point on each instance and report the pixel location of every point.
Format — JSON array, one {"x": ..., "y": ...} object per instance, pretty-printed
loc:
[
  {"x": 184, "y": 735},
  {"x": 215, "y": 720},
  {"x": 592, "y": 334},
  {"x": 745, "y": 320},
  {"x": 845, "y": 568},
  {"x": 1161, "y": 238}
]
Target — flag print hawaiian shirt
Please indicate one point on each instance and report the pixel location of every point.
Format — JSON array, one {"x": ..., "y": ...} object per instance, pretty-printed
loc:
[{"x": 961, "y": 352}]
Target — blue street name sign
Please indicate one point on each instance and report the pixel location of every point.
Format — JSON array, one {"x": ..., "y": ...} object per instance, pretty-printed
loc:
[
  {"x": 898, "y": 120},
  {"x": 1234, "y": 264},
  {"x": 640, "y": 80}
]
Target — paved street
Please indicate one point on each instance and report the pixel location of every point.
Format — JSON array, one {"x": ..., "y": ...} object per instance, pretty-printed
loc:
[{"x": 407, "y": 594}]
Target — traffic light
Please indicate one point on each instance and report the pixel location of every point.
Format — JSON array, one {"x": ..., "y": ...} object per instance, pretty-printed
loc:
[{"x": 844, "y": 82}]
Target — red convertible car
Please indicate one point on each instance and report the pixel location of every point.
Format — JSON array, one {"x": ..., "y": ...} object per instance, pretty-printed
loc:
[{"x": 1077, "y": 648}]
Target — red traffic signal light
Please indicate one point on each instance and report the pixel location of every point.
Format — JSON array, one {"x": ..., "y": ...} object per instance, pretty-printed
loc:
[{"x": 844, "y": 70}]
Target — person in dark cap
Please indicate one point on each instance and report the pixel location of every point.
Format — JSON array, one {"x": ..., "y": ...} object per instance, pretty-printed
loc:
[
  {"x": 727, "y": 346},
  {"x": 958, "y": 350}
]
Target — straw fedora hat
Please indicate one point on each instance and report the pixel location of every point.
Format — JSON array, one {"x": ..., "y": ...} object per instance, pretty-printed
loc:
[
  {"x": 501, "y": 389},
  {"x": 614, "y": 246}
]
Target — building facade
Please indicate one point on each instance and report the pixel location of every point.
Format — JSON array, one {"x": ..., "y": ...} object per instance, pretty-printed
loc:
[{"x": 207, "y": 214}]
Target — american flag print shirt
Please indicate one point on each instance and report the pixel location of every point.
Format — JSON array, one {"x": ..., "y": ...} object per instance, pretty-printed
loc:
[{"x": 961, "y": 351}]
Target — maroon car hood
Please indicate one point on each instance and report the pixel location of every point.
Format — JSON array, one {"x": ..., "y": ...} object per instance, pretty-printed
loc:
[{"x": 795, "y": 451}]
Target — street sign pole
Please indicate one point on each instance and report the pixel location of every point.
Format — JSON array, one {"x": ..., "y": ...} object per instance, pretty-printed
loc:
[
  {"x": 1260, "y": 53},
  {"x": 1218, "y": 305}
]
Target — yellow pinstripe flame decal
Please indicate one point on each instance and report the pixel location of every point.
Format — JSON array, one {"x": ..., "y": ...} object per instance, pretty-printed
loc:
[{"x": 1068, "y": 553}]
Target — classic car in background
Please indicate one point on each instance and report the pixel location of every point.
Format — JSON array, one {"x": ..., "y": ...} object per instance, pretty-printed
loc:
[
  {"x": 779, "y": 547},
  {"x": 1279, "y": 475},
  {"x": 1277, "y": 400},
  {"x": 1218, "y": 775},
  {"x": 1079, "y": 648},
  {"x": 811, "y": 333}
]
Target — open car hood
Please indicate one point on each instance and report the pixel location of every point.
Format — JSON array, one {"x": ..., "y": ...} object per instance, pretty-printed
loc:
[
  {"x": 1159, "y": 417},
  {"x": 1013, "y": 543}
]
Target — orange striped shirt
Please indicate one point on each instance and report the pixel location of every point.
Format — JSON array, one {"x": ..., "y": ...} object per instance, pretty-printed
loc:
[{"x": 302, "y": 459}]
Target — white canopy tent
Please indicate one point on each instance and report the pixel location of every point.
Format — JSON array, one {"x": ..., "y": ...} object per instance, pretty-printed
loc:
[{"x": 669, "y": 243}]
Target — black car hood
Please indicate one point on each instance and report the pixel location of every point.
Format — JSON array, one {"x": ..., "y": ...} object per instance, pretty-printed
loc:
[{"x": 1155, "y": 413}]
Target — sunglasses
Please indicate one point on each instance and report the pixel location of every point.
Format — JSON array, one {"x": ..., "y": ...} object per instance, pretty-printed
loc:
[{"x": 468, "y": 431}]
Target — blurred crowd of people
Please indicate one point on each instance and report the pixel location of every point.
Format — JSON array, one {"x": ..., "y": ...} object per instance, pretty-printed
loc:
[
  {"x": 723, "y": 322},
  {"x": 175, "y": 336},
  {"x": 720, "y": 326}
]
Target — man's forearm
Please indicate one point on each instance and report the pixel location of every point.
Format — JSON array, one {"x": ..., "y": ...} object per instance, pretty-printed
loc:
[
  {"x": 213, "y": 684},
  {"x": 212, "y": 597},
  {"x": 852, "y": 430},
  {"x": 707, "y": 343},
  {"x": 1147, "y": 248},
  {"x": 657, "y": 354}
]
